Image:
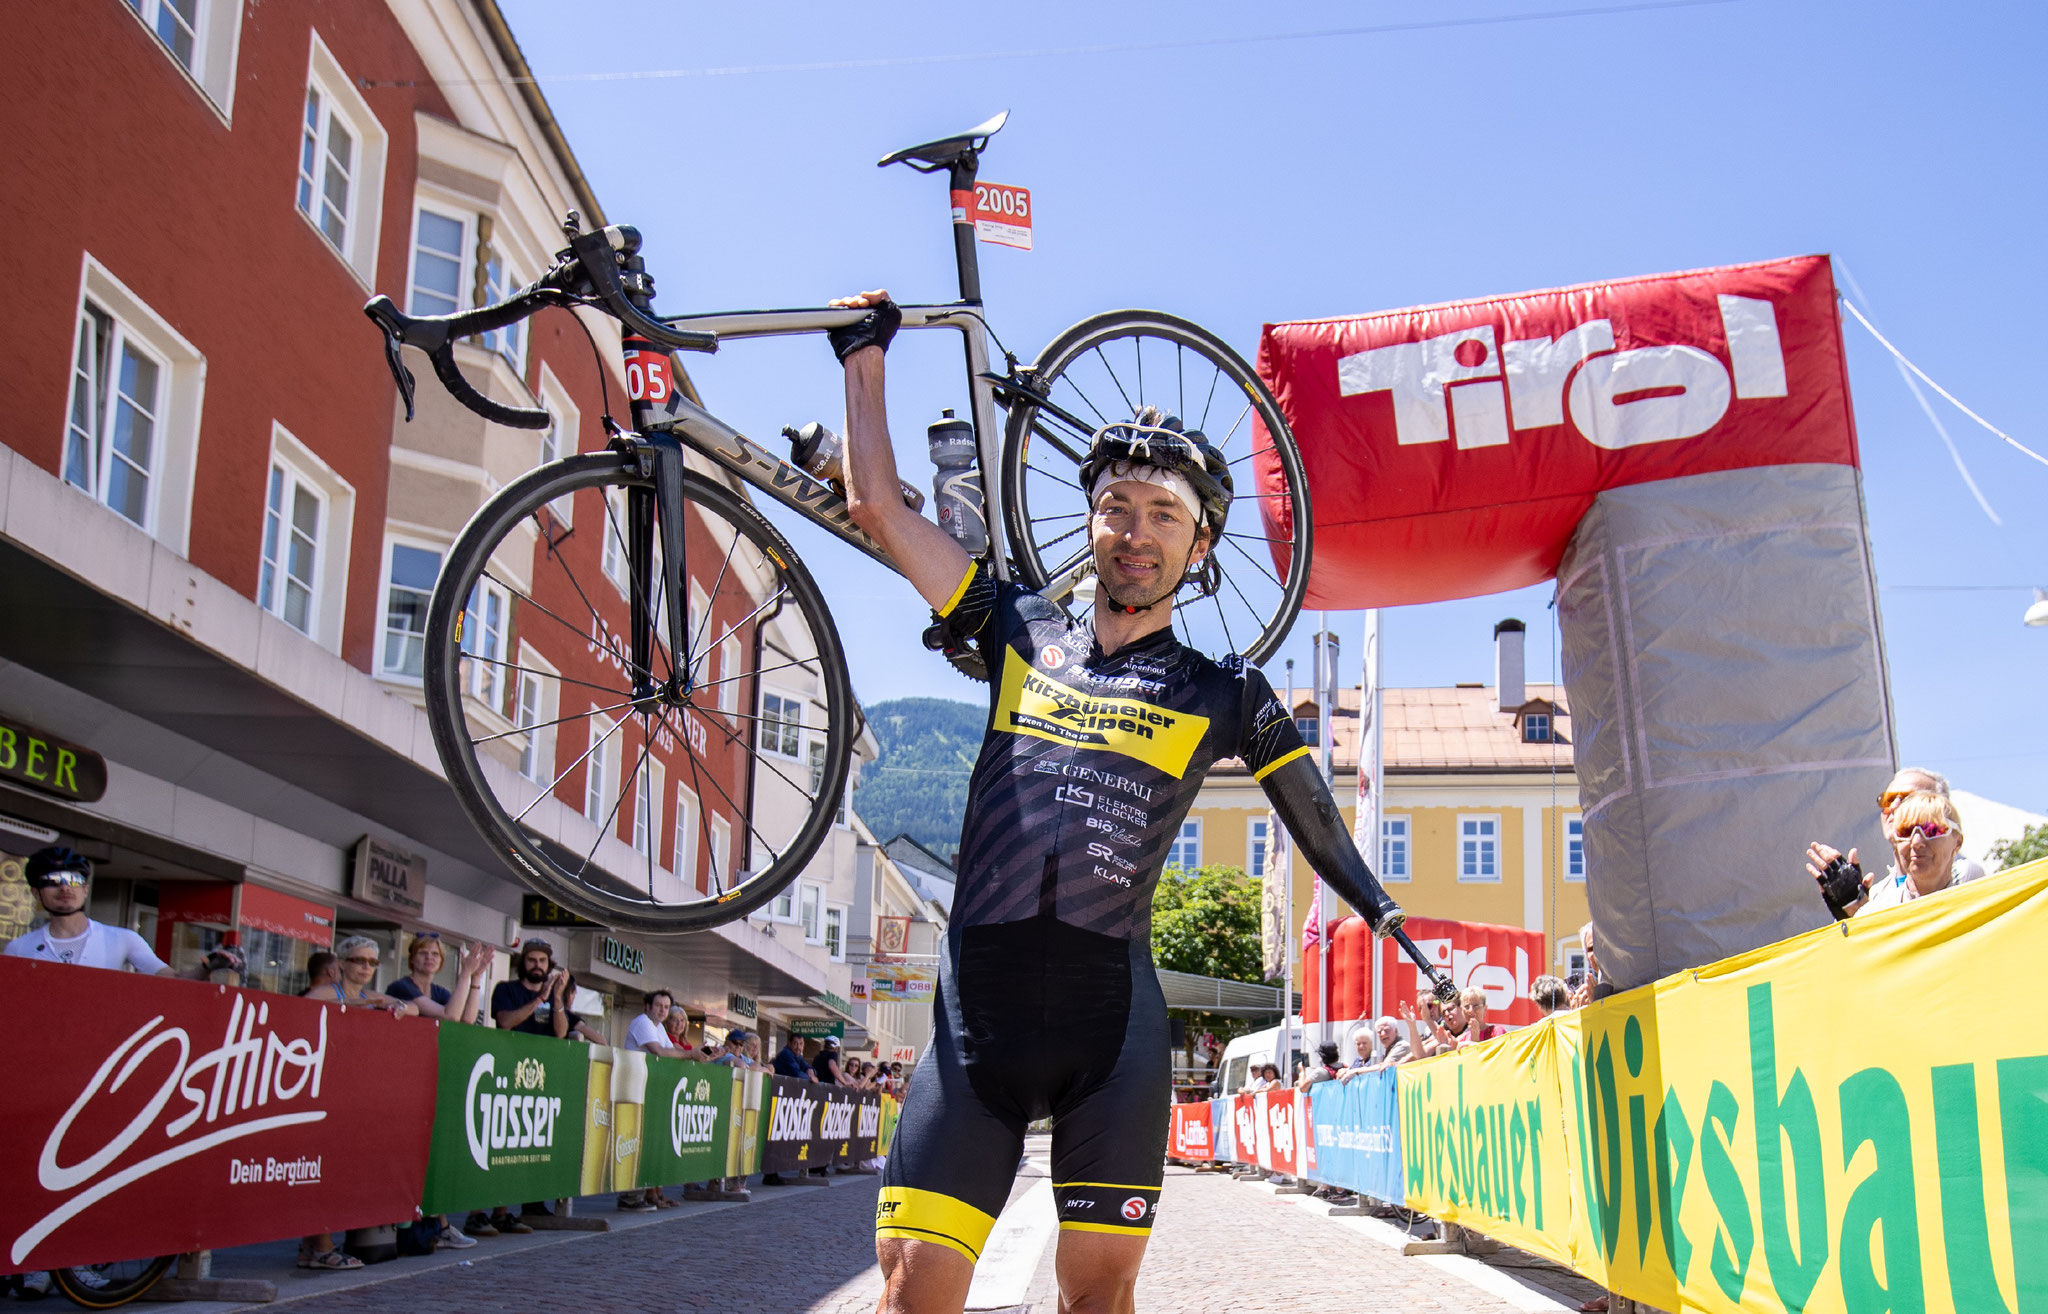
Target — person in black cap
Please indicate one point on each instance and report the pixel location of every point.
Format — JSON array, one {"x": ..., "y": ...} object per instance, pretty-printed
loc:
[
  {"x": 825, "y": 1067},
  {"x": 62, "y": 880}
]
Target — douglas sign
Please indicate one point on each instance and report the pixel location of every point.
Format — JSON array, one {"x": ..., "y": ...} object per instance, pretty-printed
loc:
[{"x": 271, "y": 1109}]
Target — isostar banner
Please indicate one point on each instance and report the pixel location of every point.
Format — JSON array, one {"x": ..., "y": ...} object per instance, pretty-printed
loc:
[
  {"x": 1822, "y": 1125},
  {"x": 178, "y": 1115},
  {"x": 686, "y": 1122},
  {"x": 1453, "y": 449},
  {"x": 509, "y": 1120},
  {"x": 790, "y": 1139},
  {"x": 1189, "y": 1136},
  {"x": 1354, "y": 1135}
]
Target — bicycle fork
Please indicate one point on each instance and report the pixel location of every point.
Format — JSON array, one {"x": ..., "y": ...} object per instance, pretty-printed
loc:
[{"x": 654, "y": 576}]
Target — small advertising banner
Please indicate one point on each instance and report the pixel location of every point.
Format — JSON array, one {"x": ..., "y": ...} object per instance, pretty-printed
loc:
[
  {"x": 900, "y": 983},
  {"x": 1279, "y": 1132},
  {"x": 743, "y": 1145},
  {"x": 1189, "y": 1137},
  {"x": 790, "y": 1142},
  {"x": 1244, "y": 1127},
  {"x": 598, "y": 1137},
  {"x": 1354, "y": 1128},
  {"x": 886, "y": 1134},
  {"x": 176, "y": 1115},
  {"x": 508, "y": 1120},
  {"x": 849, "y": 1124},
  {"x": 1226, "y": 1135},
  {"x": 686, "y": 1122}
]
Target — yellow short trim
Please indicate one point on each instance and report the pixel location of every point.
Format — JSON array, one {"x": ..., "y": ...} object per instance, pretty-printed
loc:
[
  {"x": 1112, "y": 1186},
  {"x": 1271, "y": 767},
  {"x": 961, "y": 592},
  {"x": 931, "y": 1216},
  {"x": 1111, "y": 1228}
]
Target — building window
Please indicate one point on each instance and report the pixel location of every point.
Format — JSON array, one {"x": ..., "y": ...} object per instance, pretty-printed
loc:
[
  {"x": 438, "y": 243},
  {"x": 1478, "y": 848},
  {"x": 201, "y": 37},
  {"x": 1257, "y": 838},
  {"x": 1536, "y": 727},
  {"x": 1574, "y": 962},
  {"x": 409, "y": 587},
  {"x": 783, "y": 909},
  {"x": 292, "y": 515},
  {"x": 835, "y": 933},
  {"x": 113, "y": 444},
  {"x": 1394, "y": 848},
  {"x": 483, "y": 638},
  {"x": 729, "y": 661},
  {"x": 612, "y": 558},
  {"x": 684, "y": 862},
  {"x": 721, "y": 850},
  {"x": 495, "y": 283},
  {"x": 176, "y": 24},
  {"x": 1575, "y": 849},
  {"x": 339, "y": 183},
  {"x": 327, "y": 165},
  {"x": 647, "y": 791},
  {"x": 1186, "y": 852},
  {"x": 533, "y": 710},
  {"x": 809, "y": 901},
  {"x": 782, "y": 725},
  {"x": 1310, "y": 725},
  {"x": 597, "y": 771}
]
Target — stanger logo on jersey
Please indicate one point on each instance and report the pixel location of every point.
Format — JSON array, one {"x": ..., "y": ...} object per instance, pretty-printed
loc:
[{"x": 1035, "y": 704}]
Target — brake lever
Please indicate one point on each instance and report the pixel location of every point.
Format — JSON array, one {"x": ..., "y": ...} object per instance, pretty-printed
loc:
[{"x": 399, "y": 373}]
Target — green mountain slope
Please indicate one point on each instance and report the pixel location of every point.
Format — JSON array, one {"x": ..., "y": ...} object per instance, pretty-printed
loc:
[{"x": 918, "y": 787}]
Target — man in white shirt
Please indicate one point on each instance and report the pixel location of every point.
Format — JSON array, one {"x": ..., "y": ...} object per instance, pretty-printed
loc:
[
  {"x": 649, "y": 1034},
  {"x": 62, "y": 880}
]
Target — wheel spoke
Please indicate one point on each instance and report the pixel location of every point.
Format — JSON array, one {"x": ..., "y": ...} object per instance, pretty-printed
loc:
[
  {"x": 550, "y": 790},
  {"x": 1257, "y": 451},
  {"x": 545, "y": 675},
  {"x": 697, "y": 648},
  {"x": 1114, "y": 379},
  {"x": 1256, "y": 562},
  {"x": 560, "y": 720},
  {"x": 611, "y": 818}
]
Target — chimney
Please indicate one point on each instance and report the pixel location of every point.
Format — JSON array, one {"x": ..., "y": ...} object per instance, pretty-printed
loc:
[{"x": 1508, "y": 670}]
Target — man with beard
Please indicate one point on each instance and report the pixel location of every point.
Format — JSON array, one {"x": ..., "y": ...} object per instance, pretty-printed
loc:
[
  {"x": 537, "y": 1003},
  {"x": 1100, "y": 732}
]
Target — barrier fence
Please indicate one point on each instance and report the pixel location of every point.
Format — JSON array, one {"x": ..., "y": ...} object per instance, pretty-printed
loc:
[
  {"x": 1855, "y": 1119},
  {"x": 169, "y": 1116}
]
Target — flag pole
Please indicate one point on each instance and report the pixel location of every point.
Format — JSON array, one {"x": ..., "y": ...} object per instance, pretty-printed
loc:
[{"x": 1326, "y": 678}]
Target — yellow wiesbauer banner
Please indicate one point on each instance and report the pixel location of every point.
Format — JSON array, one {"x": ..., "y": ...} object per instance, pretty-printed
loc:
[{"x": 1852, "y": 1120}]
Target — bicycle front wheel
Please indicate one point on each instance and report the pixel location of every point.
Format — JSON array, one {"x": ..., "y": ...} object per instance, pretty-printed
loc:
[
  {"x": 1104, "y": 370},
  {"x": 103, "y": 1286},
  {"x": 663, "y": 795}
]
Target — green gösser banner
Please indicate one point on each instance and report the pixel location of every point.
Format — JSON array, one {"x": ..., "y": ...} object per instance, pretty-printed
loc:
[
  {"x": 508, "y": 1119},
  {"x": 686, "y": 1125}
]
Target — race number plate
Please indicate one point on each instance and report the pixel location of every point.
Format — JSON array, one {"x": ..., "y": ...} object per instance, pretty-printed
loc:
[
  {"x": 1003, "y": 215},
  {"x": 647, "y": 372}
]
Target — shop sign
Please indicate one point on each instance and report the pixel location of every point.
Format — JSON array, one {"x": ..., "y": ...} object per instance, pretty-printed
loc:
[
  {"x": 539, "y": 910},
  {"x": 831, "y": 1001},
  {"x": 898, "y": 983},
  {"x": 858, "y": 988},
  {"x": 817, "y": 1027},
  {"x": 50, "y": 765},
  {"x": 903, "y": 1054},
  {"x": 625, "y": 957},
  {"x": 893, "y": 938},
  {"x": 740, "y": 1005},
  {"x": 389, "y": 877}
]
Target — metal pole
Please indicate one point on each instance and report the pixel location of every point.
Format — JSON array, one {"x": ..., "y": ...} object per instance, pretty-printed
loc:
[
  {"x": 1287, "y": 938},
  {"x": 1326, "y": 680}
]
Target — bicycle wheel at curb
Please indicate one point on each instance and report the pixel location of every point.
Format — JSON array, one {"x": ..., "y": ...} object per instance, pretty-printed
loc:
[
  {"x": 104, "y": 1286},
  {"x": 1103, "y": 370},
  {"x": 664, "y": 814}
]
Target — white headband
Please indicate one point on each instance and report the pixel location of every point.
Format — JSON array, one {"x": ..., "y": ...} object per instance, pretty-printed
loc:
[{"x": 1136, "y": 472}]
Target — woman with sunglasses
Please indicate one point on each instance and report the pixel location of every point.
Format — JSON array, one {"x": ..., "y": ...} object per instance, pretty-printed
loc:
[
  {"x": 423, "y": 960},
  {"x": 1926, "y": 835}
]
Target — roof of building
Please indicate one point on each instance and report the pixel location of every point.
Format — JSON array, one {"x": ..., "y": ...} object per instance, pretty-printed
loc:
[{"x": 1456, "y": 729}]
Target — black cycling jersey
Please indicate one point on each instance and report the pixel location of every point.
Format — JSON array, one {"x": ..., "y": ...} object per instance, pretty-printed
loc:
[{"x": 1047, "y": 1002}]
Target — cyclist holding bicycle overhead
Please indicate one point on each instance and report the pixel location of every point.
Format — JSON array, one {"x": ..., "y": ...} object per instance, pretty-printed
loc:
[{"x": 1100, "y": 731}]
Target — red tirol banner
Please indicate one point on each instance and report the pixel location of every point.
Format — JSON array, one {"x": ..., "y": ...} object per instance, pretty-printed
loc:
[
  {"x": 176, "y": 1114},
  {"x": 1501, "y": 960},
  {"x": 1268, "y": 1130},
  {"x": 1451, "y": 450},
  {"x": 1190, "y": 1135}
]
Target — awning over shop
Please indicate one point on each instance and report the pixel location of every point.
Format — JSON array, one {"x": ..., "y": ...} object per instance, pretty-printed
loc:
[{"x": 1211, "y": 994}]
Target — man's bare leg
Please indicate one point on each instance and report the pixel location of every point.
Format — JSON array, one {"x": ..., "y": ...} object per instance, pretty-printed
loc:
[
  {"x": 1098, "y": 1272},
  {"x": 922, "y": 1277}
]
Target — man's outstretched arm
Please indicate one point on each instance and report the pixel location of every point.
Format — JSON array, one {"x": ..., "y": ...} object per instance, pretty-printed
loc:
[{"x": 928, "y": 556}]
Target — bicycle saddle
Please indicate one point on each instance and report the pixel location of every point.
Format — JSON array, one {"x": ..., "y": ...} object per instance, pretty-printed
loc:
[{"x": 933, "y": 155}]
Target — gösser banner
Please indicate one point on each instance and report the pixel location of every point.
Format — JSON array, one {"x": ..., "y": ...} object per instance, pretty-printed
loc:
[
  {"x": 508, "y": 1120},
  {"x": 1453, "y": 449},
  {"x": 1838, "y": 1122},
  {"x": 259, "y": 1105}
]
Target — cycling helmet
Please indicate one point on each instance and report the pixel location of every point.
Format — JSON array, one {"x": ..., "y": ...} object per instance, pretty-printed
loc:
[
  {"x": 1159, "y": 440},
  {"x": 47, "y": 862}
]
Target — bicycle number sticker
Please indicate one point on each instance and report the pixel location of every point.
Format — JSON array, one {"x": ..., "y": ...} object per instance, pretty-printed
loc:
[
  {"x": 647, "y": 375},
  {"x": 1002, "y": 215}
]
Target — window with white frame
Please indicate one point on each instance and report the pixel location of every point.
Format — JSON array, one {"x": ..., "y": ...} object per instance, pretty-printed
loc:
[
  {"x": 1394, "y": 848},
  {"x": 484, "y": 623},
  {"x": 1573, "y": 957},
  {"x": 684, "y": 860},
  {"x": 817, "y": 750},
  {"x": 201, "y": 37},
  {"x": 1478, "y": 848},
  {"x": 293, "y": 513},
  {"x": 1258, "y": 840},
  {"x": 648, "y": 787},
  {"x": 533, "y": 709},
  {"x": 612, "y": 558},
  {"x": 494, "y": 283},
  {"x": 598, "y": 770},
  {"x": 408, "y": 588},
  {"x": 835, "y": 932},
  {"x": 783, "y": 909},
  {"x": 1575, "y": 849},
  {"x": 721, "y": 853},
  {"x": 700, "y": 607},
  {"x": 440, "y": 254},
  {"x": 559, "y": 439},
  {"x": 1186, "y": 852},
  {"x": 729, "y": 663},
  {"x": 810, "y": 900},
  {"x": 339, "y": 186},
  {"x": 782, "y": 725}
]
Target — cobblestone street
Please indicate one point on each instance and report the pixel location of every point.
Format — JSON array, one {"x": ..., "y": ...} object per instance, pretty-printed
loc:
[{"x": 1220, "y": 1246}]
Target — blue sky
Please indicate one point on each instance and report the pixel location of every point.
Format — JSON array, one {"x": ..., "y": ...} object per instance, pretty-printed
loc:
[{"x": 1249, "y": 182}]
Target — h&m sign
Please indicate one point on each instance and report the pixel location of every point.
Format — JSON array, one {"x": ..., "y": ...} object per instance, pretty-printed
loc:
[{"x": 389, "y": 876}]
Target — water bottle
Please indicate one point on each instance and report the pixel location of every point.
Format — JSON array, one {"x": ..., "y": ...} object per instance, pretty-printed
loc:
[
  {"x": 956, "y": 485},
  {"x": 822, "y": 453}
]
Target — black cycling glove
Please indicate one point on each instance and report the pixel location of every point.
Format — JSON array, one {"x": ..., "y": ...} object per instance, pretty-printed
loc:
[{"x": 873, "y": 329}]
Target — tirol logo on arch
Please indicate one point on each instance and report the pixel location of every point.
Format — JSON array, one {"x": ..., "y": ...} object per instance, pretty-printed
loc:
[{"x": 1452, "y": 449}]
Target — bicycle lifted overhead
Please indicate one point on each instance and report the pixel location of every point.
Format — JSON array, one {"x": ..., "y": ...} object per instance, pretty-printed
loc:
[{"x": 728, "y": 680}]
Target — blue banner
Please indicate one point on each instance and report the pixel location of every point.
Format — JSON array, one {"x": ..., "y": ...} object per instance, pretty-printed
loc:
[
  {"x": 1220, "y": 1127},
  {"x": 1357, "y": 1141}
]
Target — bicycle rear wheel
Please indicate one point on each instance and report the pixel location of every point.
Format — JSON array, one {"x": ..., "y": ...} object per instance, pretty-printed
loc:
[
  {"x": 1103, "y": 370},
  {"x": 103, "y": 1286},
  {"x": 666, "y": 799}
]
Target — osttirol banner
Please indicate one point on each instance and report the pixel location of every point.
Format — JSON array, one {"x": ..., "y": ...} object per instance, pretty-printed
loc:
[
  {"x": 508, "y": 1119},
  {"x": 686, "y": 1123},
  {"x": 1836, "y": 1123}
]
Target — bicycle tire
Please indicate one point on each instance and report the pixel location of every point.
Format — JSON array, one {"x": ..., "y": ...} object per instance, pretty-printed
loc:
[
  {"x": 104, "y": 1291},
  {"x": 599, "y": 896},
  {"x": 1284, "y": 515}
]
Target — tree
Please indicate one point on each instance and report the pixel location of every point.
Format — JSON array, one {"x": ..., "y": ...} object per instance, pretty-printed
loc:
[
  {"x": 1206, "y": 921},
  {"x": 2032, "y": 844}
]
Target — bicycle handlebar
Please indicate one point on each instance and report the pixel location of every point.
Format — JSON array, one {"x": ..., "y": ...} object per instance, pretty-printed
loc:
[{"x": 589, "y": 269}]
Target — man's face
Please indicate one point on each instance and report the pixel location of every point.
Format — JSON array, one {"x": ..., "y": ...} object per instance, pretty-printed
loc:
[
  {"x": 1143, "y": 537},
  {"x": 658, "y": 1008},
  {"x": 63, "y": 900},
  {"x": 1388, "y": 1033},
  {"x": 1362, "y": 1042},
  {"x": 533, "y": 966}
]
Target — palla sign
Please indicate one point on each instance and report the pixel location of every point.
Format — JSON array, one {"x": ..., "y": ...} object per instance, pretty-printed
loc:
[{"x": 389, "y": 876}]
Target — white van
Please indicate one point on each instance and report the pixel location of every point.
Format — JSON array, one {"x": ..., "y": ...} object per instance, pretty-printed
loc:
[{"x": 1240, "y": 1056}]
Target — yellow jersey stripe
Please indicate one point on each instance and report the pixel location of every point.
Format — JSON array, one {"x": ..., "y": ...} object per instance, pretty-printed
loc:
[
  {"x": 1112, "y": 1186},
  {"x": 1111, "y": 1228},
  {"x": 913, "y": 1234},
  {"x": 959, "y": 592},
  {"x": 917, "y": 1215},
  {"x": 1271, "y": 767}
]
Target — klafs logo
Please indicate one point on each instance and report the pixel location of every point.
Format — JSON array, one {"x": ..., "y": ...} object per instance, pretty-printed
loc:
[
  {"x": 1462, "y": 383},
  {"x": 1134, "y": 1208},
  {"x": 505, "y": 1114},
  {"x": 691, "y": 1124},
  {"x": 794, "y": 1113},
  {"x": 236, "y": 1089}
]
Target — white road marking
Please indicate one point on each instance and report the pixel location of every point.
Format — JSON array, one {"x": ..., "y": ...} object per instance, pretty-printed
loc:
[{"x": 1016, "y": 1244}]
